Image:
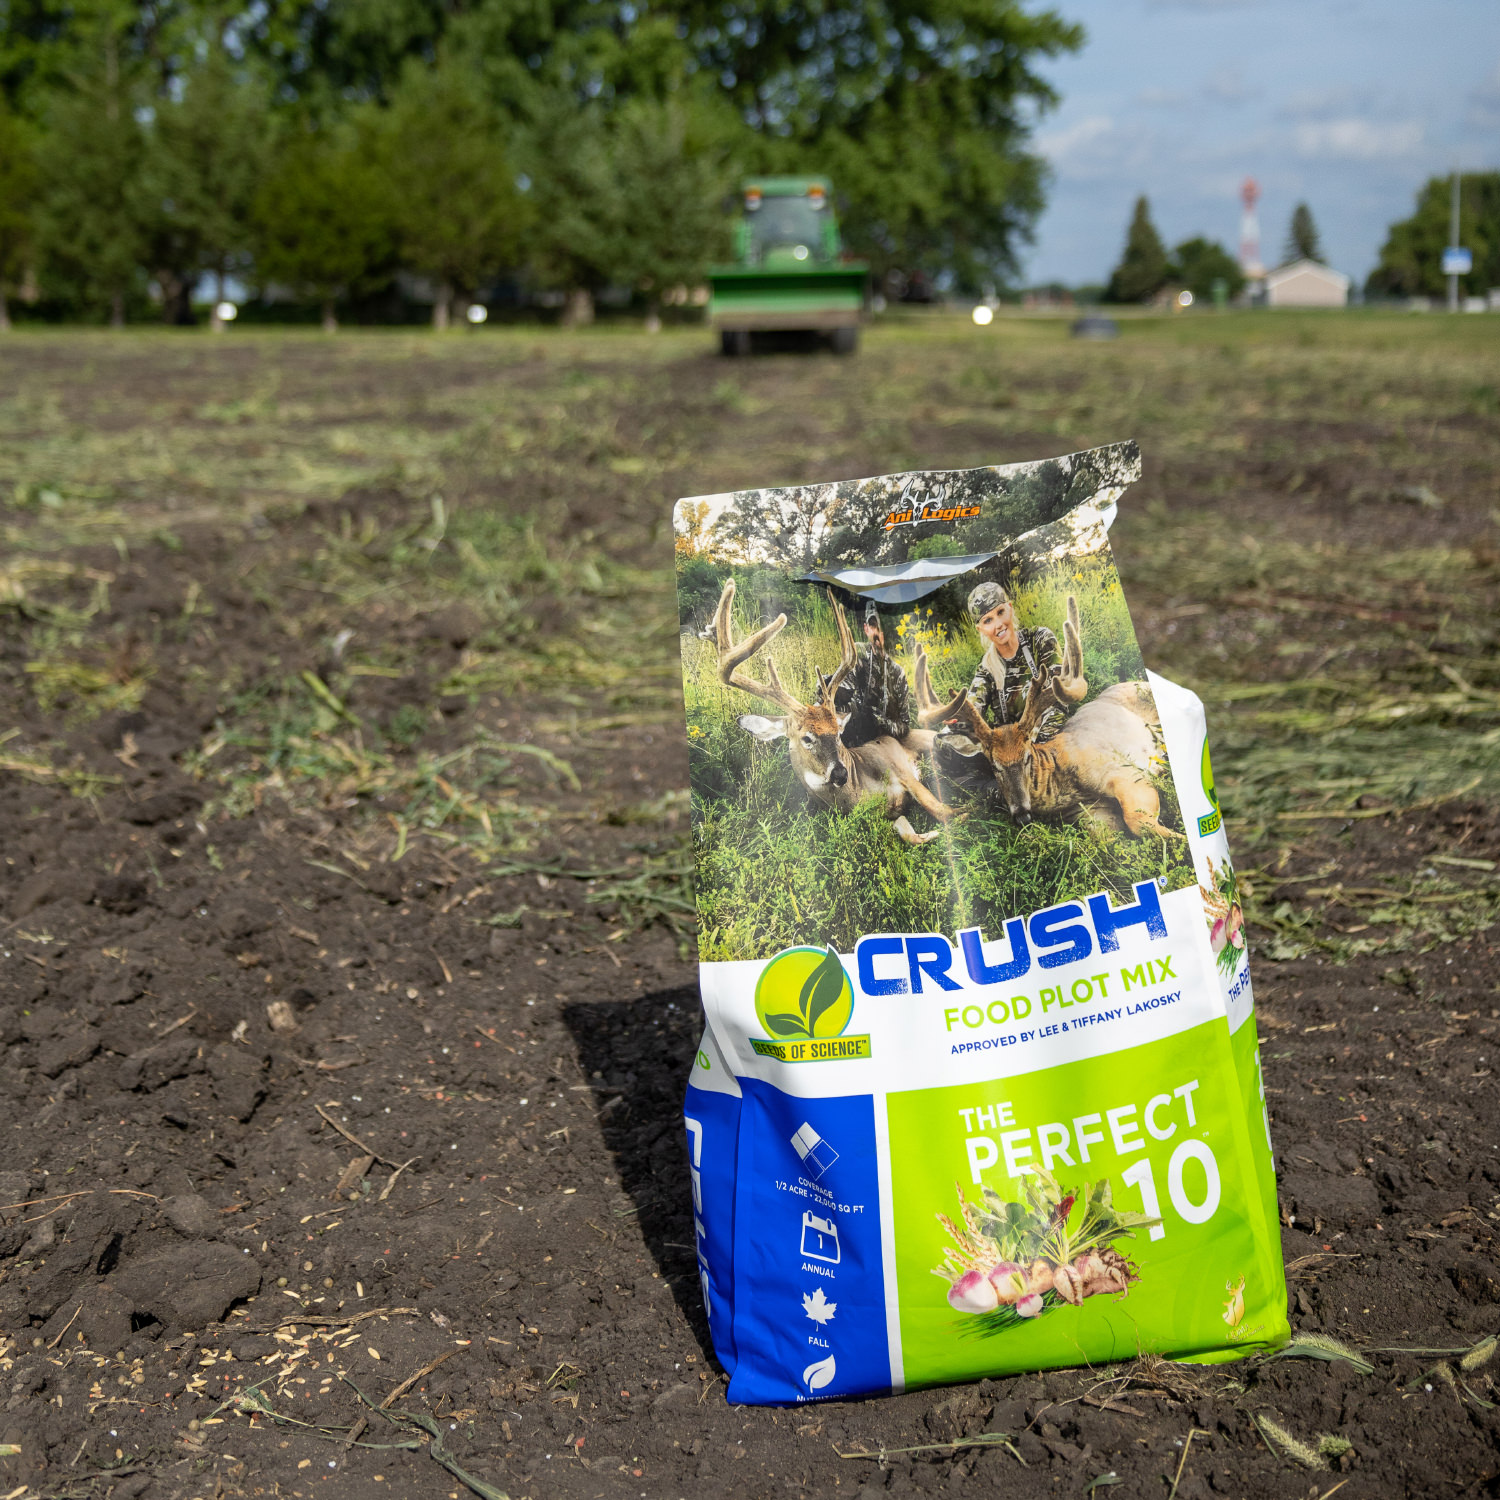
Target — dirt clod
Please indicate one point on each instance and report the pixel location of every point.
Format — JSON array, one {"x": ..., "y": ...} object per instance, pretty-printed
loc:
[
  {"x": 191, "y": 1286},
  {"x": 190, "y": 1215}
]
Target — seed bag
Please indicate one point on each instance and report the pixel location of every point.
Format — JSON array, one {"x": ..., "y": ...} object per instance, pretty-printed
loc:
[{"x": 978, "y": 1090}]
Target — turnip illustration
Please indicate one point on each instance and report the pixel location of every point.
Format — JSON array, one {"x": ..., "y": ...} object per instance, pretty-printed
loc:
[
  {"x": 973, "y": 1292},
  {"x": 1225, "y": 916},
  {"x": 1015, "y": 1260},
  {"x": 1009, "y": 1281}
]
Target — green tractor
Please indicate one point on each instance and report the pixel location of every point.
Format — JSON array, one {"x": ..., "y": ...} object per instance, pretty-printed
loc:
[{"x": 790, "y": 273}]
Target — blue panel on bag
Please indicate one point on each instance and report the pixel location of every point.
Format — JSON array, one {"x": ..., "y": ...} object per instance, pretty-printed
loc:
[
  {"x": 713, "y": 1125},
  {"x": 810, "y": 1318}
]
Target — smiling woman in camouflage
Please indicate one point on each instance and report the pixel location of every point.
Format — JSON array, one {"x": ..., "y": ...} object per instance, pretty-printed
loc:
[{"x": 1013, "y": 656}]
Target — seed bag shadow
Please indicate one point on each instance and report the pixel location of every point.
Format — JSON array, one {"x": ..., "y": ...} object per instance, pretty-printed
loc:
[{"x": 642, "y": 1050}]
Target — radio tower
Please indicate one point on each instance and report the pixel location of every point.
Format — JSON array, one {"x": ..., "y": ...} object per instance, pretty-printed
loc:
[{"x": 1250, "y": 262}]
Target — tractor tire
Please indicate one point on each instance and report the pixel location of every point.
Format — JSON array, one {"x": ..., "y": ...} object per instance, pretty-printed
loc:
[
  {"x": 844, "y": 340},
  {"x": 734, "y": 343}
]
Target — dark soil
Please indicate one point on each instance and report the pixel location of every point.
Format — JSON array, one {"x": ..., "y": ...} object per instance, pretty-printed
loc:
[{"x": 281, "y": 1120}]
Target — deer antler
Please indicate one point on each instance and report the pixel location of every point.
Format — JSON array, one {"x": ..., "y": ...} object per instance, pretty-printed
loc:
[
  {"x": 1040, "y": 696},
  {"x": 1059, "y": 686},
  {"x": 1069, "y": 682},
  {"x": 732, "y": 654},
  {"x": 830, "y": 685},
  {"x": 929, "y": 710}
]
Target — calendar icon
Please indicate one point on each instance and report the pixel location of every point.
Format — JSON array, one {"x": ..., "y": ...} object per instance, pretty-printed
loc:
[{"x": 820, "y": 1239}]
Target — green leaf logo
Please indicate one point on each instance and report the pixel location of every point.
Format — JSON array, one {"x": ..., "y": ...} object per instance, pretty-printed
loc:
[
  {"x": 804, "y": 993},
  {"x": 1208, "y": 778},
  {"x": 787, "y": 1026},
  {"x": 823, "y": 990}
]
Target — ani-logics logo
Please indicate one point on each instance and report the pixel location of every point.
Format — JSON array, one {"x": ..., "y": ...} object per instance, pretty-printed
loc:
[
  {"x": 805, "y": 1001},
  {"x": 933, "y": 510}
]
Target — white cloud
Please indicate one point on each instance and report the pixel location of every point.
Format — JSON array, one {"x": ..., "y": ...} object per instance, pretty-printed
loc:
[
  {"x": 1354, "y": 138},
  {"x": 1085, "y": 148},
  {"x": 1338, "y": 102},
  {"x": 1228, "y": 86}
]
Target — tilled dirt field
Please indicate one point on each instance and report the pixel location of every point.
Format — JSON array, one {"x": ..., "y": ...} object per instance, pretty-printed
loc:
[{"x": 302, "y": 1113}]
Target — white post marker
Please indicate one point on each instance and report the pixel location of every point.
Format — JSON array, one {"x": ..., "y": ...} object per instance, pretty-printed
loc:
[{"x": 1456, "y": 260}]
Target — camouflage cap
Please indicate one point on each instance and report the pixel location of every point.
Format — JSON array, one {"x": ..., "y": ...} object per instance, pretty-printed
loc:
[
  {"x": 985, "y": 597},
  {"x": 872, "y": 613}
]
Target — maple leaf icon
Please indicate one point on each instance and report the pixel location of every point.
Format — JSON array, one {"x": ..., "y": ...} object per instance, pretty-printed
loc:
[{"x": 818, "y": 1307}]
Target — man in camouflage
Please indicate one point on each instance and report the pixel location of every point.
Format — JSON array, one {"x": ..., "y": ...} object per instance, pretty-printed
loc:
[
  {"x": 1012, "y": 657},
  {"x": 875, "y": 694}
]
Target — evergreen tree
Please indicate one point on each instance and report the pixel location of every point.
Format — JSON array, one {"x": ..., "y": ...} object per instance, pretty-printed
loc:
[
  {"x": 1198, "y": 263},
  {"x": 90, "y": 162},
  {"x": 1302, "y": 237},
  {"x": 1411, "y": 258},
  {"x": 18, "y": 201},
  {"x": 576, "y": 204},
  {"x": 456, "y": 210},
  {"x": 205, "y": 158},
  {"x": 322, "y": 216},
  {"x": 671, "y": 166},
  {"x": 1144, "y": 268}
]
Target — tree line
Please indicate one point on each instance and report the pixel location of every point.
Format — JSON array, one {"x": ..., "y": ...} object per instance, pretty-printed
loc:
[
  {"x": 1410, "y": 262},
  {"x": 1146, "y": 266},
  {"x": 322, "y": 149}
]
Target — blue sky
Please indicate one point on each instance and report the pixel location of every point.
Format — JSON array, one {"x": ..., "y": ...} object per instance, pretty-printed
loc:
[{"x": 1347, "y": 104}]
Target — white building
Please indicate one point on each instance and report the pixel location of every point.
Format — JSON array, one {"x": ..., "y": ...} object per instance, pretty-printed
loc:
[{"x": 1306, "y": 283}]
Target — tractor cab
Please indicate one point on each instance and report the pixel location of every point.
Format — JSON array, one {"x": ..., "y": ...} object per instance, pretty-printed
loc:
[
  {"x": 787, "y": 229},
  {"x": 790, "y": 273}
]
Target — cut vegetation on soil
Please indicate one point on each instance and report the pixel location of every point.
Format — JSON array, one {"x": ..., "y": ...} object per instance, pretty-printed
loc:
[{"x": 346, "y": 923}]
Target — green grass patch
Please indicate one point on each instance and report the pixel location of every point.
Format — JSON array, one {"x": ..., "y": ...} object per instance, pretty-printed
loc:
[{"x": 528, "y": 478}]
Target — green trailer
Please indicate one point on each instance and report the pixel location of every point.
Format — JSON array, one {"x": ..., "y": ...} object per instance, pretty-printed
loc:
[{"x": 790, "y": 273}]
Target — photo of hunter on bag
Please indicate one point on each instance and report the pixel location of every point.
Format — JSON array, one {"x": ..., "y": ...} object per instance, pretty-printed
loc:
[
  {"x": 998, "y": 699},
  {"x": 972, "y": 955}
]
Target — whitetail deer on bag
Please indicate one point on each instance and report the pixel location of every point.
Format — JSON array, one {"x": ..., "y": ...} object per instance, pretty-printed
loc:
[
  {"x": 1101, "y": 759},
  {"x": 832, "y": 773}
]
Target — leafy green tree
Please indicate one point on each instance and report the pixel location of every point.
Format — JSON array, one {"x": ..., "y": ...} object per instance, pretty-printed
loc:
[
  {"x": 1302, "y": 241},
  {"x": 324, "y": 55},
  {"x": 18, "y": 201},
  {"x": 456, "y": 210},
  {"x": 322, "y": 216},
  {"x": 1411, "y": 259},
  {"x": 205, "y": 158},
  {"x": 576, "y": 204},
  {"x": 1198, "y": 263},
  {"x": 672, "y": 169},
  {"x": 1144, "y": 268},
  {"x": 920, "y": 111},
  {"x": 90, "y": 162}
]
